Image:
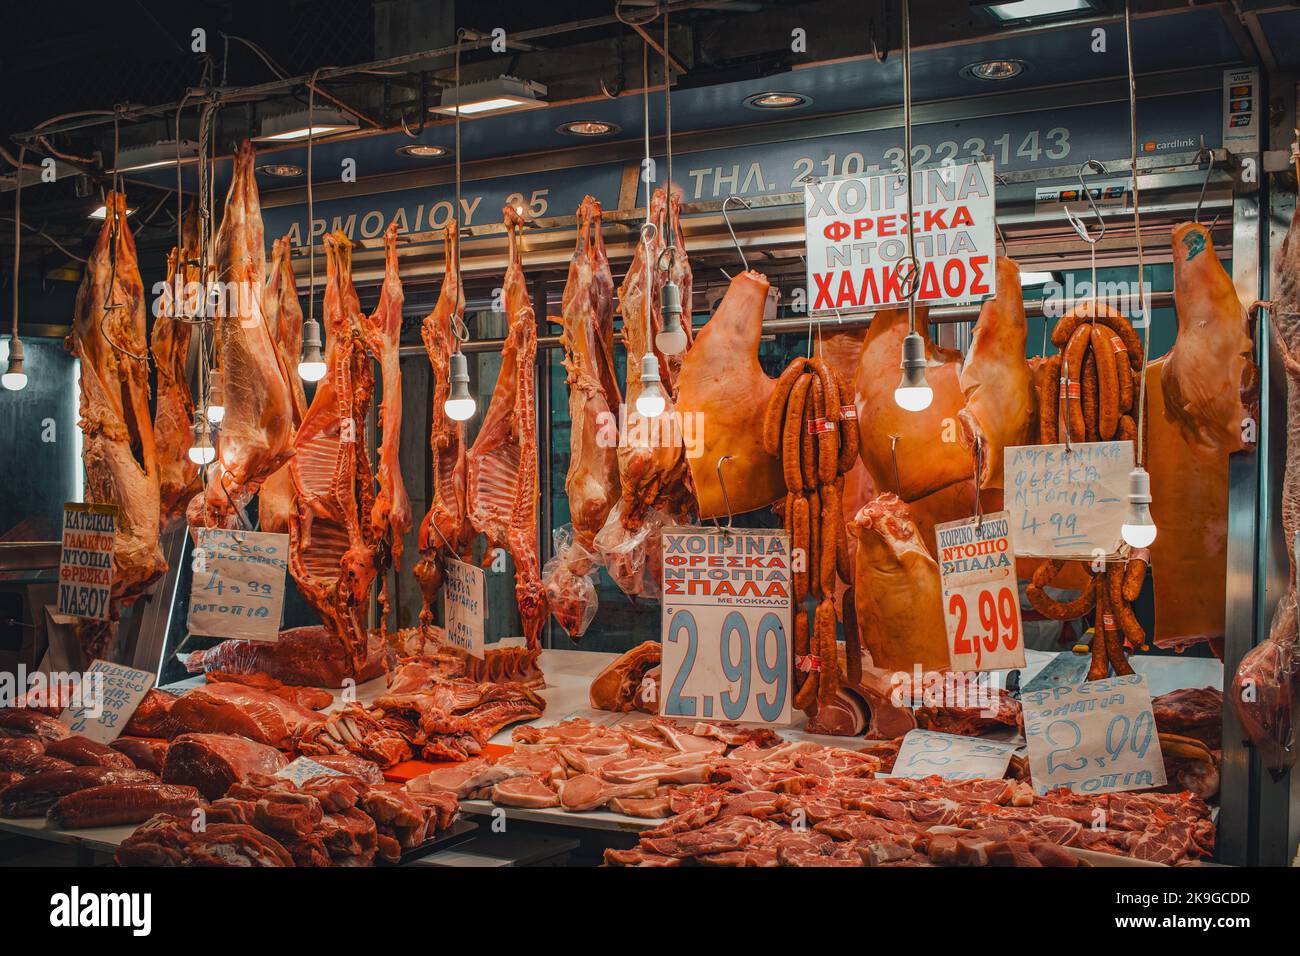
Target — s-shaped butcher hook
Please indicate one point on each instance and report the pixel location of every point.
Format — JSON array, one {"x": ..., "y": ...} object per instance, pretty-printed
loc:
[
  {"x": 1082, "y": 230},
  {"x": 726, "y": 498},
  {"x": 1208, "y": 155},
  {"x": 727, "y": 219}
]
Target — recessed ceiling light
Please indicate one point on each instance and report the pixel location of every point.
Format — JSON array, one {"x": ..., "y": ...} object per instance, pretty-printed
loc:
[
  {"x": 773, "y": 100},
  {"x": 287, "y": 170},
  {"x": 422, "y": 150},
  {"x": 995, "y": 69},
  {"x": 505, "y": 94},
  {"x": 101, "y": 212},
  {"x": 587, "y": 128}
]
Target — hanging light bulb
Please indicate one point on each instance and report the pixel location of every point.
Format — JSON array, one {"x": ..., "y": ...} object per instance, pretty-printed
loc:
[
  {"x": 913, "y": 393},
  {"x": 650, "y": 403},
  {"x": 671, "y": 340},
  {"x": 460, "y": 405},
  {"x": 15, "y": 378},
  {"x": 216, "y": 398},
  {"x": 1139, "y": 530},
  {"x": 311, "y": 368},
  {"x": 202, "y": 452}
]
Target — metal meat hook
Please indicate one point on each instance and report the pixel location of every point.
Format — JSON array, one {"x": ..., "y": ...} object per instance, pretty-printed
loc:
[
  {"x": 1076, "y": 222},
  {"x": 726, "y": 498},
  {"x": 727, "y": 219},
  {"x": 1209, "y": 168}
]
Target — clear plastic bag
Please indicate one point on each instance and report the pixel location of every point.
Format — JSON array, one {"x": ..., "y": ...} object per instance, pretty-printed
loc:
[
  {"x": 634, "y": 559},
  {"x": 1264, "y": 692},
  {"x": 570, "y": 580}
]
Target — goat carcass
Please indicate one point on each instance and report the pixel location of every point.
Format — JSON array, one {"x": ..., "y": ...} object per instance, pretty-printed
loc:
[
  {"x": 995, "y": 378},
  {"x": 503, "y": 461},
  {"x": 446, "y": 530},
  {"x": 723, "y": 385},
  {"x": 651, "y": 459},
  {"x": 119, "y": 455},
  {"x": 330, "y": 556},
  {"x": 284, "y": 319},
  {"x": 890, "y": 434}
]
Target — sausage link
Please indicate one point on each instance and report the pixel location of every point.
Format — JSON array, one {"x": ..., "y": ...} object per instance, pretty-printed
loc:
[
  {"x": 1049, "y": 403},
  {"x": 799, "y": 532},
  {"x": 843, "y": 566},
  {"x": 1070, "y": 322},
  {"x": 814, "y": 545},
  {"x": 1108, "y": 399},
  {"x": 1127, "y": 430},
  {"x": 1135, "y": 573},
  {"x": 824, "y": 628},
  {"x": 1100, "y": 667},
  {"x": 1118, "y": 661},
  {"x": 800, "y": 644},
  {"x": 1124, "y": 380},
  {"x": 1088, "y": 397},
  {"x": 848, "y": 423},
  {"x": 813, "y": 404},
  {"x": 775, "y": 417},
  {"x": 830, "y": 518},
  {"x": 1073, "y": 366},
  {"x": 1125, "y": 618},
  {"x": 828, "y": 441},
  {"x": 1059, "y": 610},
  {"x": 791, "y": 442}
]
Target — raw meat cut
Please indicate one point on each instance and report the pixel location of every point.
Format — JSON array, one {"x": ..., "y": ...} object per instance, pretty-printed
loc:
[
  {"x": 588, "y": 792},
  {"x": 524, "y": 792},
  {"x": 725, "y": 388},
  {"x": 152, "y": 717},
  {"x": 592, "y": 482},
  {"x": 1209, "y": 377},
  {"x": 171, "y": 841},
  {"x": 366, "y": 771},
  {"x": 652, "y": 467},
  {"x": 84, "y": 752},
  {"x": 888, "y": 433},
  {"x": 464, "y": 779},
  {"x": 305, "y": 656},
  {"x": 23, "y": 722},
  {"x": 34, "y": 795},
  {"x": 284, "y": 320},
  {"x": 995, "y": 378},
  {"x": 898, "y": 595},
  {"x": 332, "y": 556},
  {"x": 621, "y": 685},
  {"x": 246, "y": 711},
  {"x": 1191, "y": 712},
  {"x": 311, "y": 698},
  {"x": 118, "y": 450},
  {"x": 502, "y": 464},
  {"x": 257, "y": 431},
  {"x": 116, "y": 804},
  {"x": 446, "y": 530},
  {"x": 143, "y": 752},
  {"x": 212, "y": 762}
]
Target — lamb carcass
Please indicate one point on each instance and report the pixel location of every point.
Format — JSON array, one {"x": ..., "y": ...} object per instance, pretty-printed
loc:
[
  {"x": 995, "y": 378},
  {"x": 502, "y": 463},
  {"x": 1209, "y": 376},
  {"x": 284, "y": 319},
  {"x": 257, "y": 431},
  {"x": 723, "y": 385},
  {"x": 889, "y": 433},
  {"x": 331, "y": 556},
  {"x": 119, "y": 454},
  {"x": 446, "y": 530}
]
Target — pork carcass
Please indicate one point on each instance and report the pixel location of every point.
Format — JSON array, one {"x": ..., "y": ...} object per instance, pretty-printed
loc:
[
  {"x": 652, "y": 464},
  {"x": 331, "y": 554},
  {"x": 995, "y": 378},
  {"x": 284, "y": 319},
  {"x": 257, "y": 431},
  {"x": 897, "y": 592},
  {"x": 621, "y": 685},
  {"x": 502, "y": 464},
  {"x": 891, "y": 435},
  {"x": 446, "y": 530},
  {"x": 592, "y": 483},
  {"x": 1209, "y": 377},
  {"x": 118, "y": 451},
  {"x": 726, "y": 390}
]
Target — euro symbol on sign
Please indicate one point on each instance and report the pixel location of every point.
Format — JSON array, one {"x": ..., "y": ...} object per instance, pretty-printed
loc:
[{"x": 837, "y": 231}]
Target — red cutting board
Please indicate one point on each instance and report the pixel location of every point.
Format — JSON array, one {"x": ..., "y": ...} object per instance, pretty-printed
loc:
[{"x": 409, "y": 769}]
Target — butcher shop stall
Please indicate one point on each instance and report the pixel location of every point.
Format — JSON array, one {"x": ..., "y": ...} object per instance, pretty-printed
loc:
[{"x": 792, "y": 433}]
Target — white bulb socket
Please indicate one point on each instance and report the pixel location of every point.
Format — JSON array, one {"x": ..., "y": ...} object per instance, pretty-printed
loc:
[
  {"x": 1139, "y": 529},
  {"x": 460, "y": 405},
  {"x": 312, "y": 366},
  {"x": 913, "y": 393},
  {"x": 671, "y": 340},
  {"x": 651, "y": 402},
  {"x": 202, "y": 452}
]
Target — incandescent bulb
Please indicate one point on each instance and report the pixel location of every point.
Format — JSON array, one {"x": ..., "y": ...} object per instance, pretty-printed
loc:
[
  {"x": 651, "y": 402},
  {"x": 202, "y": 452},
  {"x": 671, "y": 343},
  {"x": 311, "y": 371},
  {"x": 15, "y": 376},
  {"x": 459, "y": 409},
  {"x": 14, "y": 381},
  {"x": 460, "y": 405},
  {"x": 216, "y": 398},
  {"x": 1139, "y": 529},
  {"x": 913, "y": 398},
  {"x": 311, "y": 368}
]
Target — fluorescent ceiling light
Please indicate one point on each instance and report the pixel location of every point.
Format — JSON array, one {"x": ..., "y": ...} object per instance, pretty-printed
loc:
[
  {"x": 1035, "y": 278},
  {"x": 134, "y": 159},
  {"x": 505, "y": 94},
  {"x": 293, "y": 126},
  {"x": 1036, "y": 9},
  {"x": 101, "y": 212}
]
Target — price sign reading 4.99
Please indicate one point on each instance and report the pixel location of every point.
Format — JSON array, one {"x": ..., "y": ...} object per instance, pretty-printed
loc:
[
  {"x": 981, "y": 600},
  {"x": 726, "y": 625}
]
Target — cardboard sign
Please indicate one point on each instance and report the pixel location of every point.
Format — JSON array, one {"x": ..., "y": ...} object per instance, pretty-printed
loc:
[
  {"x": 925, "y": 753},
  {"x": 302, "y": 769},
  {"x": 1095, "y": 737},
  {"x": 981, "y": 598},
  {"x": 237, "y": 590},
  {"x": 466, "y": 609},
  {"x": 86, "y": 560},
  {"x": 727, "y": 640},
  {"x": 110, "y": 695},
  {"x": 1068, "y": 504},
  {"x": 856, "y": 235}
]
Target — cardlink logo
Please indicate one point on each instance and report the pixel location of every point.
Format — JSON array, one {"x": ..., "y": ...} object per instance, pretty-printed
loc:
[{"x": 77, "y": 909}]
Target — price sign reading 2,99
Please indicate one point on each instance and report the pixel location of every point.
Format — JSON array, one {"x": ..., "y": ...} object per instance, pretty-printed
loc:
[
  {"x": 726, "y": 625},
  {"x": 981, "y": 600}
]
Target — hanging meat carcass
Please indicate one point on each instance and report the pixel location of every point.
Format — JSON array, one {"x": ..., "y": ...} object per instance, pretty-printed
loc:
[
  {"x": 651, "y": 456},
  {"x": 502, "y": 464},
  {"x": 257, "y": 431},
  {"x": 119, "y": 454},
  {"x": 284, "y": 320},
  {"x": 723, "y": 387},
  {"x": 169, "y": 342},
  {"x": 331, "y": 556},
  {"x": 446, "y": 530}
]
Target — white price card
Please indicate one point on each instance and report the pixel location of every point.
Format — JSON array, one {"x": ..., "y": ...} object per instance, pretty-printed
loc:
[
  {"x": 981, "y": 597},
  {"x": 86, "y": 560},
  {"x": 1068, "y": 501},
  {"x": 1095, "y": 737},
  {"x": 110, "y": 693},
  {"x": 856, "y": 238},
  {"x": 302, "y": 769},
  {"x": 926, "y": 752},
  {"x": 466, "y": 610},
  {"x": 726, "y": 632},
  {"x": 237, "y": 589}
]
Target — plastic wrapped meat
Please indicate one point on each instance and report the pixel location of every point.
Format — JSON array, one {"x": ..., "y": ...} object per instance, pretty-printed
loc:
[
  {"x": 236, "y": 709},
  {"x": 122, "y": 803},
  {"x": 152, "y": 715},
  {"x": 570, "y": 580},
  {"x": 36, "y": 794},
  {"x": 306, "y": 656},
  {"x": 213, "y": 762},
  {"x": 1264, "y": 694}
]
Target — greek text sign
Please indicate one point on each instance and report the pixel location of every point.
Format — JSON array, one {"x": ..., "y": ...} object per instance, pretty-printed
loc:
[
  {"x": 981, "y": 599},
  {"x": 1068, "y": 502},
  {"x": 465, "y": 607},
  {"x": 119, "y": 689},
  {"x": 238, "y": 586},
  {"x": 86, "y": 560}
]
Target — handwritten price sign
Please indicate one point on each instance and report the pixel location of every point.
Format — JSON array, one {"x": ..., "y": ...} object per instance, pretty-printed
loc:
[
  {"x": 1095, "y": 737},
  {"x": 237, "y": 590},
  {"x": 114, "y": 691},
  {"x": 465, "y": 608},
  {"x": 1068, "y": 503},
  {"x": 726, "y": 625},
  {"x": 925, "y": 753},
  {"x": 981, "y": 600}
]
